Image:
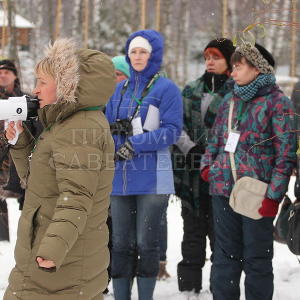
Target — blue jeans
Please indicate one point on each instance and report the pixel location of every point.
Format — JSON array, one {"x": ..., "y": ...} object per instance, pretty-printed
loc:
[
  {"x": 163, "y": 237},
  {"x": 241, "y": 244},
  {"x": 136, "y": 224}
]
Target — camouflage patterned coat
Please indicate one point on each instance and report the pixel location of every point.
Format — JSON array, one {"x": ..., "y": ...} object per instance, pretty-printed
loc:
[
  {"x": 266, "y": 148},
  {"x": 4, "y": 165},
  {"x": 188, "y": 186}
]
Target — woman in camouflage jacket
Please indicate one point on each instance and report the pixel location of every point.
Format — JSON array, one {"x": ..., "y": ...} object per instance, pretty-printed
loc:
[{"x": 202, "y": 98}]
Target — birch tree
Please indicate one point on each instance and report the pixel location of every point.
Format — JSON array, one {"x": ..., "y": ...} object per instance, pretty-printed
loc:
[
  {"x": 293, "y": 64},
  {"x": 233, "y": 16},
  {"x": 58, "y": 18},
  {"x": 186, "y": 41},
  {"x": 167, "y": 32},
  {"x": 271, "y": 32},
  {"x": 12, "y": 35},
  {"x": 39, "y": 39},
  {"x": 76, "y": 17},
  {"x": 96, "y": 24},
  {"x": 281, "y": 31}
]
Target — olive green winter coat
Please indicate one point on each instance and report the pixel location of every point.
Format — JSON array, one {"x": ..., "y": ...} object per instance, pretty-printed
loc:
[{"x": 69, "y": 180}]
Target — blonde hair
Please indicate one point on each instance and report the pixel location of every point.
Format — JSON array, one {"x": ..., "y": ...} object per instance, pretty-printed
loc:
[
  {"x": 61, "y": 62},
  {"x": 45, "y": 66}
]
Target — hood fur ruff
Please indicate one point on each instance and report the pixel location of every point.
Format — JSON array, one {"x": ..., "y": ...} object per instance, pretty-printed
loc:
[{"x": 64, "y": 60}]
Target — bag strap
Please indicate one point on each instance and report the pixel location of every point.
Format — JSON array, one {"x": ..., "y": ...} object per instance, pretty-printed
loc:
[{"x": 231, "y": 155}]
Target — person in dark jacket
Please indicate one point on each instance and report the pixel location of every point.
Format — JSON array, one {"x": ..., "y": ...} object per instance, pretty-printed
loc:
[
  {"x": 145, "y": 115},
  {"x": 202, "y": 98},
  {"x": 10, "y": 185},
  {"x": 295, "y": 97},
  {"x": 262, "y": 119}
]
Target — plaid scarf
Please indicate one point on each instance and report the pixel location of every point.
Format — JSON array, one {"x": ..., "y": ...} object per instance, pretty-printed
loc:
[{"x": 248, "y": 92}]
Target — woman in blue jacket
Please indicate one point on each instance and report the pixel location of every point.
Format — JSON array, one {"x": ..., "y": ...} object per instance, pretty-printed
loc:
[{"x": 145, "y": 114}]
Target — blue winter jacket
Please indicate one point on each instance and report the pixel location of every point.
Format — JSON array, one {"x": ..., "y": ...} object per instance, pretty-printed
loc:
[{"x": 150, "y": 170}]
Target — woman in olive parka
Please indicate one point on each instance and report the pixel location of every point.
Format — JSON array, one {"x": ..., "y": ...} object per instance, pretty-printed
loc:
[{"x": 61, "y": 251}]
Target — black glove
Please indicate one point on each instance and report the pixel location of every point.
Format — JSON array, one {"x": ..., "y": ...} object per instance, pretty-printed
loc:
[
  {"x": 193, "y": 157},
  {"x": 125, "y": 152},
  {"x": 121, "y": 127}
]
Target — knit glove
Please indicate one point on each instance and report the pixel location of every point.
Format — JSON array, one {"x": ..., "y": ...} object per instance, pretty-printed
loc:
[
  {"x": 125, "y": 152},
  {"x": 205, "y": 174},
  {"x": 269, "y": 208},
  {"x": 193, "y": 157}
]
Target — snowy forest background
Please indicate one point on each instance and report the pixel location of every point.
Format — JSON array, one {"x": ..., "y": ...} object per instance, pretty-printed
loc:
[{"x": 187, "y": 26}]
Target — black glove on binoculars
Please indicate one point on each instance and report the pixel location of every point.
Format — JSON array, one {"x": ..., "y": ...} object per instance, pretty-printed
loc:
[
  {"x": 121, "y": 127},
  {"x": 125, "y": 152}
]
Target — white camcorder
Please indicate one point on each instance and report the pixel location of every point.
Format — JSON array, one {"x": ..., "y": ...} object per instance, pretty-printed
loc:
[{"x": 18, "y": 108}]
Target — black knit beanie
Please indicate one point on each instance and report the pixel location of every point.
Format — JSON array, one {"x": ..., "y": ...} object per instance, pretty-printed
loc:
[
  {"x": 7, "y": 64},
  {"x": 225, "y": 46},
  {"x": 266, "y": 54}
]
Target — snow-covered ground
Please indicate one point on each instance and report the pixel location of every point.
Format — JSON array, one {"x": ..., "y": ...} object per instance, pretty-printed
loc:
[{"x": 286, "y": 266}]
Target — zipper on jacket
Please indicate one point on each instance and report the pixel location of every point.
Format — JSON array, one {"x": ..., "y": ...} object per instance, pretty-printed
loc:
[
  {"x": 128, "y": 115},
  {"x": 124, "y": 177}
]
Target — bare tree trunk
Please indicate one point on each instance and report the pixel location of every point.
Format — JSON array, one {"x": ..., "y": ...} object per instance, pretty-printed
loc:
[
  {"x": 96, "y": 19},
  {"x": 177, "y": 51},
  {"x": 167, "y": 31},
  {"x": 38, "y": 32},
  {"x": 272, "y": 32},
  {"x": 234, "y": 16},
  {"x": 293, "y": 65},
  {"x": 136, "y": 4},
  {"x": 157, "y": 18},
  {"x": 4, "y": 28},
  {"x": 186, "y": 39},
  {"x": 58, "y": 17},
  {"x": 225, "y": 18},
  {"x": 281, "y": 30},
  {"x": 12, "y": 34},
  {"x": 86, "y": 23},
  {"x": 50, "y": 19},
  {"x": 76, "y": 17},
  {"x": 143, "y": 13}
]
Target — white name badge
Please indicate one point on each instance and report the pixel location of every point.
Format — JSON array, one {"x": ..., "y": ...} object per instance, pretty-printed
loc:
[
  {"x": 137, "y": 127},
  {"x": 232, "y": 141},
  {"x": 152, "y": 118}
]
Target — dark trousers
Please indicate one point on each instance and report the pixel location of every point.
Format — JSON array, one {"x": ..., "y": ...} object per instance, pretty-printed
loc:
[
  {"x": 4, "y": 232},
  {"x": 241, "y": 244},
  {"x": 193, "y": 247}
]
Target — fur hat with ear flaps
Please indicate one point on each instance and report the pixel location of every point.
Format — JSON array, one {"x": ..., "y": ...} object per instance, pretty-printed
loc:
[{"x": 65, "y": 65}]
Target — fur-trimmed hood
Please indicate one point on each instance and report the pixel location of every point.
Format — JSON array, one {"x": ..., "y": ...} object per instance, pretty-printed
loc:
[{"x": 84, "y": 78}]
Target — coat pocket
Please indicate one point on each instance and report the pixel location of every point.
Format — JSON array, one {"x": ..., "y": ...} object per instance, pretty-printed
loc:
[
  {"x": 25, "y": 232},
  {"x": 259, "y": 143},
  {"x": 26, "y": 227}
]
